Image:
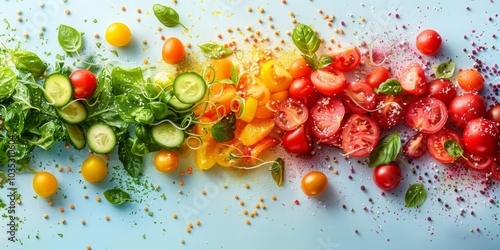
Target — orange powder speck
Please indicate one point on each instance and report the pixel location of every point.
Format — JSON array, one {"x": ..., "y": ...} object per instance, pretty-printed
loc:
[
  {"x": 67, "y": 12},
  {"x": 98, "y": 199},
  {"x": 188, "y": 45},
  {"x": 182, "y": 241},
  {"x": 252, "y": 214},
  {"x": 261, "y": 198},
  {"x": 203, "y": 192},
  {"x": 261, "y": 10},
  {"x": 294, "y": 21},
  {"x": 45, "y": 216},
  {"x": 242, "y": 203},
  {"x": 68, "y": 169},
  {"x": 255, "y": 212},
  {"x": 159, "y": 28},
  {"x": 188, "y": 230},
  {"x": 320, "y": 11},
  {"x": 82, "y": 221},
  {"x": 162, "y": 37},
  {"x": 123, "y": 8},
  {"x": 181, "y": 182},
  {"x": 273, "y": 197},
  {"x": 174, "y": 216},
  {"x": 335, "y": 171},
  {"x": 72, "y": 206},
  {"x": 219, "y": 36},
  {"x": 263, "y": 206},
  {"x": 245, "y": 211},
  {"x": 247, "y": 221},
  {"x": 67, "y": 146},
  {"x": 269, "y": 18},
  {"x": 145, "y": 208},
  {"x": 138, "y": 19},
  {"x": 283, "y": 1},
  {"x": 181, "y": 173},
  {"x": 89, "y": 248},
  {"x": 139, "y": 11},
  {"x": 249, "y": 9},
  {"x": 257, "y": 205},
  {"x": 63, "y": 221},
  {"x": 190, "y": 225},
  {"x": 198, "y": 222},
  {"x": 247, "y": 186},
  {"x": 85, "y": 196},
  {"x": 190, "y": 169},
  {"x": 236, "y": 197},
  {"x": 107, "y": 217},
  {"x": 61, "y": 209},
  {"x": 60, "y": 168},
  {"x": 51, "y": 203}
]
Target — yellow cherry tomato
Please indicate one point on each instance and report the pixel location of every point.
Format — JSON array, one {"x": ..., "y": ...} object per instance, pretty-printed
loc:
[
  {"x": 314, "y": 183},
  {"x": 94, "y": 169},
  {"x": 166, "y": 161},
  {"x": 275, "y": 77},
  {"x": 118, "y": 34},
  {"x": 45, "y": 184}
]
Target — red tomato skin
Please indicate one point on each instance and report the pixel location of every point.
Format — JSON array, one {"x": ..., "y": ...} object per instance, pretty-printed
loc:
[
  {"x": 328, "y": 83},
  {"x": 359, "y": 97},
  {"x": 389, "y": 110},
  {"x": 388, "y": 176},
  {"x": 360, "y": 135},
  {"x": 465, "y": 108},
  {"x": 297, "y": 141},
  {"x": 429, "y": 42},
  {"x": 413, "y": 79},
  {"x": 377, "y": 76},
  {"x": 84, "y": 83},
  {"x": 480, "y": 137},
  {"x": 435, "y": 144},
  {"x": 479, "y": 163},
  {"x": 345, "y": 59},
  {"x": 441, "y": 89},
  {"x": 494, "y": 114},
  {"x": 495, "y": 167},
  {"x": 303, "y": 89}
]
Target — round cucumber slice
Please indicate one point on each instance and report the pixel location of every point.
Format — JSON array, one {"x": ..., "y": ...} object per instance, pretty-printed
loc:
[{"x": 189, "y": 87}]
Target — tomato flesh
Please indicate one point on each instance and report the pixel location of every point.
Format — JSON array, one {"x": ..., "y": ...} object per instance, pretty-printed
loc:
[
  {"x": 427, "y": 115},
  {"x": 328, "y": 83},
  {"x": 359, "y": 97},
  {"x": 326, "y": 117},
  {"x": 360, "y": 135},
  {"x": 345, "y": 59},
  {"x": 416, "y": 146},
  {"x": 291, "y": 114},
  {"x": 435, "y": 144},
  {"x": 389, "y": 110},
  {"x": 478, "y": 162},
  {"x": 413, "y": 79}
]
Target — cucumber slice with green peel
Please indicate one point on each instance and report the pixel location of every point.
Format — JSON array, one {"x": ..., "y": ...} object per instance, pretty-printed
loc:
[
  {"x": 189, "y": 87},
  {"x": 167, "y": 135},
  {"x": 101, "y": 138},
  {"x": 73, "y": 113},
  {"x": 75, "y": 135},
  {"x": 178, "y": 105},
  {"x": 58, "y": 89}
]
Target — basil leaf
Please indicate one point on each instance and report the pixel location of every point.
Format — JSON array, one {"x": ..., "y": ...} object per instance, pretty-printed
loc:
[
  {"x": 159, "y": 109},
  {"x": 69, "y": 38},
  {"x": 214, "y": 50},
  {"x": 310, "y": 60},
  {"x": 390, "y": 87},
  {"x": 323, "y": 61},
  {"x": 415, "y": 195},
  {"x": 28, "y": 61},
  {"x": 387, "y": 150},
  {"x": 139, "y": 148},
  {"x": 143, "y": 132},
  {"x": 224, "y": 130},
  {"x": 453, "y": 148},
  {"x": 117, "y": 196},
  {"x": 145, "y": 116},
  {"x": 125, "y": 81},
  {"x": 8, "y": 81},
  {"x": 167, "y": 16},
  {"x": 278, "y": 171},
  {"x": 306, "y": 39},
  {"x": 132, "y": 163},
  {"x": 445, "y": 70}
]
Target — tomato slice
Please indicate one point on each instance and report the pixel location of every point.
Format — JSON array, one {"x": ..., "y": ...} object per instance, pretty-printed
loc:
[
  {"x": 328, "y": 83},
  {"x": 360, "y": 135},
  {"x": 435, "y": 144},
  {"x": 326, "y": 117},
  {"x": 359, "y": 97},
  {"x": 413, "y": 79},
  {"x": 426, "y": 114},
  {"x": 389, "y": 110},
  {"x": 345, "y": 59},
  {"x": 229, "y": 153},
  {"x": 251, "y": 153},
  {"x": 291, "y": 114},
  {"x": 478, "y": 162},
  {"x": 416, "y": 146}
]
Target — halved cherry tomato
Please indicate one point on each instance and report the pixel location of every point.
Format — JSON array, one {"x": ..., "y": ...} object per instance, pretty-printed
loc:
[
  {"x": 428, "y": 42},
  {"x": 416, "y": 146},
  {"x": 480, "y": 137},
  {"x": 291, "y": 114},
  {"x": 427, "y": 115},
  {"x": 389, "y": 110},
  {"x": 229, "y": 153},
  {"x": 326, "y": 117},
  {"x": 359, "y": 97},
  {"x": 222, "y": 68},
  {"x": 435, "y": 144},
  {"x": 360, "y": 135},
  {"x": 465, "y": 108},
  {"x": 345, "y": 59},
  {"x": 255, "y": 131},
  {"x": 249, "y": 86},
  {"x": 268, "y": 110},
  {"x": 441, "y": 89},
  {"x": 220, "y": 98},
  {"x": 275, "y": 77},
  {"x": 299, "y": 68},
  {"x": 205, "y": 155},
  {"x": 377, "y": 76},
  {"x": 252, "y": 153},
  {"x": 297, "y": 141},
  {"x": 413, "y": 79},
  {"x": 478, "y": 162},
  {"x": 328, "y": 83},
  {"x": 303, "y": 89}
]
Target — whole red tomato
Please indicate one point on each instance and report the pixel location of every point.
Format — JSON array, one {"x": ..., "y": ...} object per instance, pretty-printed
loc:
[{"x": 84, "y": 83}]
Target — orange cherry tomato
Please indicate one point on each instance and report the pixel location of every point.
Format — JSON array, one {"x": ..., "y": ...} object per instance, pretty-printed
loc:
[
  {"x": 470, "y": 80},
  {"x": 166, "y": 161},
  {"x": 314, "y": 183},
  {"x": 249, "y": 86},
  {"x": 299, "y": 68},
  {"x": 173, "y": 51},
  {"x": 45, "y": 184},
  {"x": 222, "y": 69}
]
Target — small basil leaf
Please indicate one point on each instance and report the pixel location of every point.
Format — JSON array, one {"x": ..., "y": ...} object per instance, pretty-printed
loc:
[
  {"x": 224, "y": 130},
  {"x": 132, "y": 163},
  {"x": 306, "y": 39},
  {"x": 278, "y": 171},
  {"x": 8, "y": 81},
  {"x": 323, "y": 61},
  {"x": 167, "y": 16},
  {"x": 69, "y": 38},
  {"x": 28, "y": 61},
  {"x": 214, "y": 50},
  {"x": 453, "y": 148},
  {"x": 390, "y": 87},
  {"x": 310, "y": 60},
  {"x": 445, "y": 70},
  {"x": 387, "y": 150},
  {"x": 415, "y": 195},
  {"x": 117, "y": 196}
]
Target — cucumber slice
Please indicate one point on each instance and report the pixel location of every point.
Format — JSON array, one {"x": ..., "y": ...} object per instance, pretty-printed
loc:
[
  {"x": 75, "y": 135},
  {"x": 73, "y": 113},
  {"x": 167, "y": 135},
  {"x": 101, "y": 138},
  {"x": 178, "y": 105},
  {"x": 58, "y": 89},
  {"x": 189, "y": 87}
]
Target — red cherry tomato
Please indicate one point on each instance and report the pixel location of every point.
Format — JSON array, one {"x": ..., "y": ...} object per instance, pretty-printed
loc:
[
  {"x": 478, "y": 162},
  {"x": 360, "y": 135},
  {"x": 326, "y": 117},
  {"x": 299, "y": 68},
  {"x": 495, "y": 167},
  {"x": 359, "y": 97},
  {"x": 413, "y": 79},
  {"x": 470, "y": 80},
  {"x": 426, "y": 114},
  {"x": 435, "y": 144},
  {"x": 297, "y": 141},
  {"x": 480, "y": 137},
  {"x": 429, "y": 42},
  {"x": 345, "y": 59},
  {"x": 416, "y": 146},
  {"x": 303, "y": 89},
  {"x": 328, "y": 83},
  {"x": 84, "y": 83},
  {"x": 389, "y": 110},
  {"x": 377, "y": 76},
  {"x": 465, "y": 108},
  {"x": 291, "y": 114},
  {"x": 387, "y": 176},
  {"x": 441, "y": 89},
  {"x": 494, "y": 114}
]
